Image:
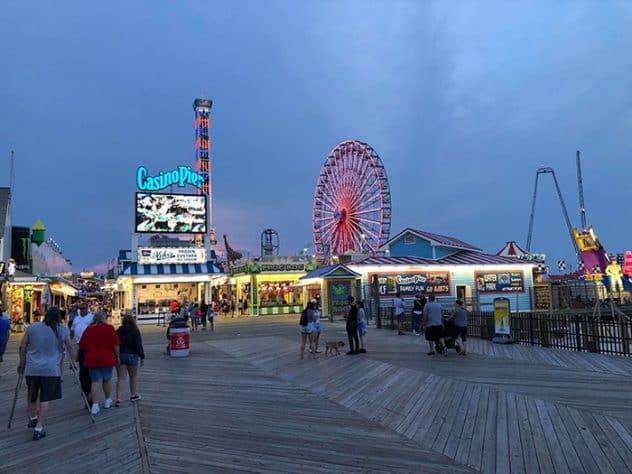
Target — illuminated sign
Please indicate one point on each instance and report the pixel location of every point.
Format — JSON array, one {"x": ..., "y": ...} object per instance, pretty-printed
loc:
[
  {"x": 499, "y": 282},
  {"x": 410, "y": 284},
  {"x": 181, "y": 176},
  {"x": 170, "y": 213},
  {"x": 171, "y": 255}
]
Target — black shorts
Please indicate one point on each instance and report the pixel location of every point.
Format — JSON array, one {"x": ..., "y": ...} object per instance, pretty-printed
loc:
[
  {"x": 462, "y": 332},
  {"x": 46, "y": 388},
  {"x": 434, "y": 333}
]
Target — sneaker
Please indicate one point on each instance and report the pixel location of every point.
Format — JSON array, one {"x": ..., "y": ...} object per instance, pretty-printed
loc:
[
  {"x": 118, "y": 402},
  {"x": 107, "y": 403},
  {"x": 95, "y": 409},
  {"x": 134, "y": 398},
  {"x": 32, "y": 423},
  {"x": 38, "y": 434},
  {"x": 399, "y": 333},
  {"x": 362, "y": 351},
  {"x": 431, "y": 353}
]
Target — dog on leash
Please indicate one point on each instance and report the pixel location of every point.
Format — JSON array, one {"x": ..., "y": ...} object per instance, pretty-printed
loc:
[{"x": 330, "y": 347}]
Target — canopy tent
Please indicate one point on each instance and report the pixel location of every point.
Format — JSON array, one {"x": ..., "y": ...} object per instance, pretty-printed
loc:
[{"x": 512, "y": 249}]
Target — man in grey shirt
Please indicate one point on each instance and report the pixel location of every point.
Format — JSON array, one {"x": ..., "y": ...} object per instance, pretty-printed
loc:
[
  {"x": 41, "y": 352},
  {"x": 459, "y": 316},
  {"x": 433, "y": 325}
]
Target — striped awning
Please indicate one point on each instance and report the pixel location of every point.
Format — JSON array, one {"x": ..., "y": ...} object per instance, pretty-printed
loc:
[{"x": 134, "y": 269}]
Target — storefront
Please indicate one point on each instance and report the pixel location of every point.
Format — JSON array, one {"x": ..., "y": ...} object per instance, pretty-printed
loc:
[
  {"x": 432, "y": 264},
  {"x": 331, "y": 287},
  {"x": 147, "y": 289},
  {"x": 269, "y": 286},
  {"x": 29, "y": 295}
]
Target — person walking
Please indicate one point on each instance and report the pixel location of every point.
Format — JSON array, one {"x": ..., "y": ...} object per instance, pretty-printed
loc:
[
  {"x": 101, "y": 345},
  {"x": 131, "y": 355},
  {"x": 361, "y": 325},
  {"x": 352, "y": 327},
  {"x": 196, "y": 316},
  {"x": 41, "y": 350},
  {"x": 79, "y": 324},
  {"x": 204, "y": 314},
  {"x": 418, "y": 312},
  {"x": 433, "y": 325},
  {"x": 459, "y": 317},
  {"x": 400, "y": 311},
  {"x": 5, "y": 329}
]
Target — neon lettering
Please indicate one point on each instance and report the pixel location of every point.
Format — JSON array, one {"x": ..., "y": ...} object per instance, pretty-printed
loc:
[{"x": 181, "y": 176}]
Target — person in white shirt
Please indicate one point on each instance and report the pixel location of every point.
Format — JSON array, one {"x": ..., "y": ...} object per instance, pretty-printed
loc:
[{"x": 79, "y": 325}]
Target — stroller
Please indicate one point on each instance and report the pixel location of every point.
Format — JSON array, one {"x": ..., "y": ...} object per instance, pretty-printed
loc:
[{"x": 450, "y": 334}]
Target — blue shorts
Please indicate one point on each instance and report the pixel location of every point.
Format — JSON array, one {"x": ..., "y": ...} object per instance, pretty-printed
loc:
[
  {"x": 100, "y": 373},
  {"x": 129, "y": 359},
  {"x": 361, "y": 328}
]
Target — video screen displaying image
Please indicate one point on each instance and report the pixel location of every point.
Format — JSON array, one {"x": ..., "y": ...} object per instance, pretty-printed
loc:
[{"x": 171, "y": 213}]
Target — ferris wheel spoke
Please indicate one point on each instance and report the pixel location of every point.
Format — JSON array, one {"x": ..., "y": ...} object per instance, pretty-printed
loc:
[
  {"x": 367, "y": 211},
  {"x": 369, "y": 191},
  {"x": 326, "y": 200},
  {"x": 369, "y": 199},
  {"x": 366, "y": 227}
]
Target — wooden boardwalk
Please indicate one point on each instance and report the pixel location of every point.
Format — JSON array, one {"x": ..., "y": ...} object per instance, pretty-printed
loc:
[{"x": 243, "y": 402}]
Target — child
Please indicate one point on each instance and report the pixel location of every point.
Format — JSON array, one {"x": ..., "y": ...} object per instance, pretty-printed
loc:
[{"x": 196, "y": 316}]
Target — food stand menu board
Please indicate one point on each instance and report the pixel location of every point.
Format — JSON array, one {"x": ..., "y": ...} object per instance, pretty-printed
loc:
[
  {"x": 339, "y": 292},
  {"x": 542, "y": 295},
  {"x": 412, "y": 284},
  {"x": 499, "y": 282}
]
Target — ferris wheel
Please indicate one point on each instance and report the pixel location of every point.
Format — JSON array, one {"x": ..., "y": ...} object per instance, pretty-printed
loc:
[{"x": 352, "y": 201}]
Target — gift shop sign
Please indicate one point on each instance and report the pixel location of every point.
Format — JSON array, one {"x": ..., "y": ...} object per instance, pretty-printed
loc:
[
  {"x": 410, "y": 284},
  {"x": 171, "y": 255}
]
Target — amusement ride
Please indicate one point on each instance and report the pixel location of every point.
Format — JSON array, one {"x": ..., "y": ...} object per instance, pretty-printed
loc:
[{"x": 352, "y": 202}]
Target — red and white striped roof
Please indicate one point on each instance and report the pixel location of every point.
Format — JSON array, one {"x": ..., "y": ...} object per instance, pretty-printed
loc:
[{"x": 512, "y": 249}]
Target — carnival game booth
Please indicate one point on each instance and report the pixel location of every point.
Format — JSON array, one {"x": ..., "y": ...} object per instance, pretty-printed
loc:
[
  {"x": 331, "y": 285},
  {"x": 26, "y": 293},
  {"x": 269, "y": 285},
  {"x": 147, "y": 289},
  {"x": 421, "y": 262}
]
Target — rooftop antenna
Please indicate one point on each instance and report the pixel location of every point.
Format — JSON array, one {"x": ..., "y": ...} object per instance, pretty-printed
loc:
[
  {"x": 580, "y": 184},
  {"x": 11, "y": 176}
]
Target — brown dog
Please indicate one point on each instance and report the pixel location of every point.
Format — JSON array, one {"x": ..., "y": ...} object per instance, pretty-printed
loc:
[{"x": 330, "y": 347}]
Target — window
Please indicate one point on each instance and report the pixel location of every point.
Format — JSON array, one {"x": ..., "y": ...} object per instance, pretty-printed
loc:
[
  {"x": 157, "y": 286},
  {"x": 409, "y": 239},
  {"x": 143, "y": 286}
]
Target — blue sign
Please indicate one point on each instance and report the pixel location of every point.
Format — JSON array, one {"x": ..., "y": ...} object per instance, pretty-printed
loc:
[
  {"x": 499, "y": 282},
  {"x": 181, "y": 176}
]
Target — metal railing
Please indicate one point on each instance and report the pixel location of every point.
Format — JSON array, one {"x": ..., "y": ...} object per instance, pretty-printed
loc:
[{"x": 609, "y": 333}]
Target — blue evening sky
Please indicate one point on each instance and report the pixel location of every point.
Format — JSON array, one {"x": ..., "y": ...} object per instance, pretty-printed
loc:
[{"x": 462, "y": 101}]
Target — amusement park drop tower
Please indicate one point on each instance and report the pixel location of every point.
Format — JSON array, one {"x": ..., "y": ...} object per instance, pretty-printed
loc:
[{"x": 202, "y": 109}]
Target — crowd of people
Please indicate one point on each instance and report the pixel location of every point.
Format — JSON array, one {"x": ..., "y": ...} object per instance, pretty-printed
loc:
[{"x": 84, "y": 336}]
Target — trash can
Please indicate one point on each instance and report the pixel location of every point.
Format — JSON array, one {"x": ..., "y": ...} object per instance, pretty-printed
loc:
[{"x": 179, "y": 342}]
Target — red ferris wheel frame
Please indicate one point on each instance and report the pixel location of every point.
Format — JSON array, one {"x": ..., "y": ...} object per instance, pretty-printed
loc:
[{"x": 352, "y": 202}]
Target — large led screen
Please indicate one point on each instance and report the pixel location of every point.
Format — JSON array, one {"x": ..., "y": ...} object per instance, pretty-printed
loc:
[{"x": 170, "y": 213}]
